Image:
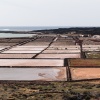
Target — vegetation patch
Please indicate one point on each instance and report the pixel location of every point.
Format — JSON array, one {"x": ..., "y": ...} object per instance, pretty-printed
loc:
[
  {"x": 93, "y": 55},
  {"x": 84, "y": 62},
  {"x": 50, "y": 90}
]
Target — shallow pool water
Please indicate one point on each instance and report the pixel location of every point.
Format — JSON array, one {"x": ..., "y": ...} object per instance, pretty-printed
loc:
[
  {"x": 32, "y": 73},
  {"x": 10, "y": 35}
]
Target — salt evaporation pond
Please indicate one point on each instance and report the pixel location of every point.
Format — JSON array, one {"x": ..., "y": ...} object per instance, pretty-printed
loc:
[
  {"x": 48, "y": 74},
  {"x": 12, "y": 35}
]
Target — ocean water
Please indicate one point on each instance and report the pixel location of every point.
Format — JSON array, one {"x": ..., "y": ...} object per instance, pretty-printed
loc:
[
  {"x": 21, "y": 28},
  {"x": 30, "y": 28}
]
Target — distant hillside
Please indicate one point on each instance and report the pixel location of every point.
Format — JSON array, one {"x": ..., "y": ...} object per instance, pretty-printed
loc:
[
  {"x": 84, "y": 30},
  {"x": 78, "y": 30}
]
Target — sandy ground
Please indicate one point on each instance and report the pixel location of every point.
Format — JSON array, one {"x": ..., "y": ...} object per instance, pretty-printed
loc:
[
  {"x": 31, "y": 62},
  {"x": 85, "y": 73}
]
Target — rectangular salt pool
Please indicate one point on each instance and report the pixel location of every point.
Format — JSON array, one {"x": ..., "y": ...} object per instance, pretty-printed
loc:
[
  {"x": 31, "y": 62},
  {"x": 32, "y": 74}
]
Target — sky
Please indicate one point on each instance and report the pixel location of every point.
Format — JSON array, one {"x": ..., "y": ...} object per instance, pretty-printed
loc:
[{"x": 49, "y": 12}]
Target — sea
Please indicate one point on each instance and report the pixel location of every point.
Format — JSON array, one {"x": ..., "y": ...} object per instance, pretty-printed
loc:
[
  {"x": 28, "y": 28},
  {"x": 23, "y": 28}
]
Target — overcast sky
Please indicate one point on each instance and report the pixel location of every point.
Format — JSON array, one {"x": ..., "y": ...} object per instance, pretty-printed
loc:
[{"x": 49, "y": 12}]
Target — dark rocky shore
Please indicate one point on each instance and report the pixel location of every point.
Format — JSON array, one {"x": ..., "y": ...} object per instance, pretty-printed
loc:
[
  {"x": 84, "y": 30},
  {"x": 78, "y": 30}
]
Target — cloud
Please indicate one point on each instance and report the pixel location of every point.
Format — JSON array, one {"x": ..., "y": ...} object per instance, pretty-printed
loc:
[
  {"x": 50, "y": 12},
  {"x": 15, "y": 3}
]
